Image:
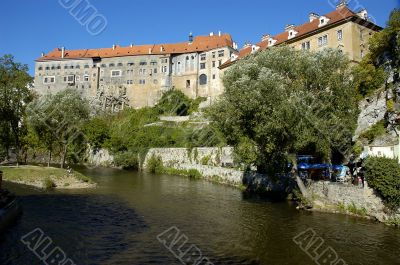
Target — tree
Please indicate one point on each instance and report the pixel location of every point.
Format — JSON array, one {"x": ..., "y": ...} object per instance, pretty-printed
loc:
[
  {"x": 58, "y": 120},
  {"x": 14, "y": 95},
  {"x": 288, "y": 101}
]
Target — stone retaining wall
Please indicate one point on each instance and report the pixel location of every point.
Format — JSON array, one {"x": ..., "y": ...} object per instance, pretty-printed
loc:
[{"x": 326, "y": 194}]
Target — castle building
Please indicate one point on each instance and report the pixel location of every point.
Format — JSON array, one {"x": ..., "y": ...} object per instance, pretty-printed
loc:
[
  {"x": 341, "y": 29},
  {"x": 137, "y": 76}
]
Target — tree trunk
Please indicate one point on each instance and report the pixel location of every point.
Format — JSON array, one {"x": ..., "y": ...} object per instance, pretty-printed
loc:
[
  {"x": 49, "y": 161},
  {"x": 64, "y": 156}
]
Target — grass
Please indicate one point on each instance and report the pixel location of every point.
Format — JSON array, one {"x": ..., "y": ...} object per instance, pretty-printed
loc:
[
  {"x": 352, "y": 208},
  {"x": 48, "y": 177}
]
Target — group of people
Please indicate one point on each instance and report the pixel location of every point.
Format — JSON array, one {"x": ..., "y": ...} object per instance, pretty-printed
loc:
[{"x": 357, "y": 172}]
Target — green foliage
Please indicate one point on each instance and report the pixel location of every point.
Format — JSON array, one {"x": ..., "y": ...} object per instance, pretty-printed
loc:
[
  {"x": 368, "y": 78},
  {"x": 352, "y": 208},
  {"x": 155, "y": 165},
  {"x": 14, "y": 96},
  {"x": 57, "y": 120},
  {"x": 176, "y": 103},
  {"x": 97, "y": 131},
  {"x": 205, "y": 160},
  {"x": 286, "y": 101},
  {"x": 357, "y": 149},
  {"x": 127, "y": 160},
  {"x": 375, "y": 131},
  {"x": 390, "y": 105},
  {"x": 245, "y": 152},
  {"x": 48, "y": 184},
  {"x": 191, "y": 173},
  {"x": 382, "y": 175}
]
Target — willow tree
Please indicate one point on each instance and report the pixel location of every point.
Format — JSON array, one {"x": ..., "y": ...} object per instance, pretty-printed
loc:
[{"x": 283, "y": 101}]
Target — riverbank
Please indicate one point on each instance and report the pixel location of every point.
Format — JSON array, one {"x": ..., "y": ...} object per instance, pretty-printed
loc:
[{"x": 46, "y": 177}]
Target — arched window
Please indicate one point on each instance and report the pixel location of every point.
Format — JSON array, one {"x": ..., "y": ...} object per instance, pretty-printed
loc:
[{"x": 203, "y": 79}]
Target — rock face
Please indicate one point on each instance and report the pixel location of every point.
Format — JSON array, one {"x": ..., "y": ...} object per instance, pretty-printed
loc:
[
  {"x": 372, "y": 110},
  {"x": 328, "y": 194},
  {"x": 99, "y": 158}
]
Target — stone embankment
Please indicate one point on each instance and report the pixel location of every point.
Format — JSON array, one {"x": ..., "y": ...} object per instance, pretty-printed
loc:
[{"x": 350, "y": 199}]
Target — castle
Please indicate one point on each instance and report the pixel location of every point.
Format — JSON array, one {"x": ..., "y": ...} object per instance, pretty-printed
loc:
[{"x": 137, "y": 76}]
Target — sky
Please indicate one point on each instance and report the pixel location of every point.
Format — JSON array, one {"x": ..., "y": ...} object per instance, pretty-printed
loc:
[{"x": 30, "y": 27}]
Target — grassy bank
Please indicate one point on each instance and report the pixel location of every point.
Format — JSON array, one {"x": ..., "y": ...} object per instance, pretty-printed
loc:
[{"x": 46, "y": 177}]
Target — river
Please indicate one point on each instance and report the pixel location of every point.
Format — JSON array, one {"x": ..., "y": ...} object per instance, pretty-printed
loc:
[{"x": 118, "y": 223}]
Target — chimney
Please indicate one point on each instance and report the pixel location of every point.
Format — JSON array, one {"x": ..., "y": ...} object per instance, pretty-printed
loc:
[
  {"x": 114, "y": 46},
  {"x": 190, "y": 38},
  {"x": 342, "y": 3},
  {"x": 313, "y": 16},
  {"x": 42, "y": 54},
  {"x": 62, "y": 52},
  {"x": 149, "y": 50},
  {"x": 289, "y": 27},
  {"x": 363, "y": 14},
  {"x": 211, "y": 34},
  {"x": 161, "y": 48},
  {"x": 235, "y": 46},
  {"x": 246, "y": 45},
  {"x": 219, "y": 33},
  {"x": 131, "y": 45},
  {"x": 265, "y": 37}
]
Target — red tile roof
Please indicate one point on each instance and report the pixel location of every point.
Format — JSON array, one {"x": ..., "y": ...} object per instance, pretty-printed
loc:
[
  {"x": 199, "y": 44},
  {"x": 336, "y": 16}
]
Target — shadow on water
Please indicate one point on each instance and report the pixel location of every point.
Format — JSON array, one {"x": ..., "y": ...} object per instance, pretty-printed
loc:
[{"x": 87, "y": 228}]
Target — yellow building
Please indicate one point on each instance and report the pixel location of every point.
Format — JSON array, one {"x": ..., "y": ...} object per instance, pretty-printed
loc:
[{"x": 341, "y": 29}]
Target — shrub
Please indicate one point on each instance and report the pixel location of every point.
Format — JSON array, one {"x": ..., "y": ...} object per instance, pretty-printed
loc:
[
  {"x": 127, "y": 160},
  {"x": 205, "y": 160},
  {"x": 48, "y": 184},
  {"x": 376, "y": 130},
  {"x": 383, "y": 175},
  {"x": 194, "y": 174},
  {"x": 155, "y": 165}
]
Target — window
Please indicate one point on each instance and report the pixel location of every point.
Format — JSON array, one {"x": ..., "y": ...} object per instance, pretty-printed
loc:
[
  {"x": 153, "y": 63},
  {"x": 187, "y": 83},
  {"x": 213, "y": 64},
  {"x": 111, "y": 65},
  {"x": 129, "y": 72},
  {"x": 219, "y": 62},
  {"x": 116, "y": 73},
  {"x": 86, "y": 66},
  {"x": 47, "y": 68},
  {"x": 69, "y": 79},
  {"x": 340, "y": 34},
  {"x": 40, "y": 68},
  {"x": 86, "y": 78},
  {"x": 131, "y": 64},
  {"x": 202, "y": 66},
  {"x": 305, "y": 45},
  {"x": 203, "y": 57},
  {"x": 155, "y": 70},
  {"x": 203, "y": 79},
  {"x": 322, "y": 41},
  {"x": 58, "y": 67},
  {"x": 104, "y": 65},
  {"x": 213, "y": 54},
  {"x": 78, "y": 67},
  {"x": 221, "y": 53},
  {"x": 77, "y": 78},
  {"x": 119, "y": 64},
  {"x": 143, "y": 63},
  {"x": 164, "y": 69},
  {"x": 129, "y": 82},
  {"x": 142, "y": 71},
  {"x": 49, "y": 79},
  {"x": 71, "y": 67},
  {"x": 213, "y": 76},
  {"x": 142, "y": 81},
  {"x": 53, "y": 67}
]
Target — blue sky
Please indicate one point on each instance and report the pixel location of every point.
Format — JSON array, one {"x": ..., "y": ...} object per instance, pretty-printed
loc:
[{"x": 31, "y": 27}]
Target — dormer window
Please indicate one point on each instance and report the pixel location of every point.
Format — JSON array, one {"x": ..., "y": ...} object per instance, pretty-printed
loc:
[
  {"x": 323, "y": 21},
  {"x": 292, "y": 34},
  {"x": 254, "y": 48},
  {"x": 271, "y": 42}
]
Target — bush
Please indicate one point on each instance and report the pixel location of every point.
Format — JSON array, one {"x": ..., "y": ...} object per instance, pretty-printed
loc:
[
  {"x": 375, "y": 131},
  {"x": 48, "y": 184},
  {"x": 383, "y": 175},
  {"x": 127, "y": 160},
  {"x": 155, "y": 165},
  {"x": 205, "y": 160}
]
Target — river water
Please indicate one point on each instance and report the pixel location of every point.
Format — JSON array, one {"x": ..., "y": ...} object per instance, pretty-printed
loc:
[{"x": 118, "y": 223}]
